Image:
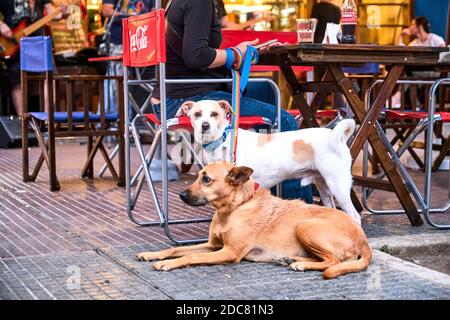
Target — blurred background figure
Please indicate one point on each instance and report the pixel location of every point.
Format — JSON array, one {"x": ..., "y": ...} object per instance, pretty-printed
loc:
[
  {"x": 12, "y": 13},
  {"x": 115, "y": 11},
  {"x": 325, "y": 11},
  {"x": 259, "y": 91},
  {"x": 229, "y": 25},
  {"x": 420, "y": 30}
]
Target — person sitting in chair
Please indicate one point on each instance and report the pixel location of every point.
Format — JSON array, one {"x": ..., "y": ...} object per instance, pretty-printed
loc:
[
  {"x": 421, "y": 30},
  {"x": 193, "y": 38},
  {"x": 14, "y": 12}
]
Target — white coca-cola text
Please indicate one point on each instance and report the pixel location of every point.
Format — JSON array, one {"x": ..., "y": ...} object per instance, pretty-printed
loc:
[{"x": 138, "y": 41}]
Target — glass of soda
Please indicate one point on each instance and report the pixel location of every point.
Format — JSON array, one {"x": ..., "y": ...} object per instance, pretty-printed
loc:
[{"x": 305, "y": 30}]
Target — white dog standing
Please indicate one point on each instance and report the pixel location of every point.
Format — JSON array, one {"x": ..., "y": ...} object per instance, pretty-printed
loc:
[{"x": 318, "y": 155}]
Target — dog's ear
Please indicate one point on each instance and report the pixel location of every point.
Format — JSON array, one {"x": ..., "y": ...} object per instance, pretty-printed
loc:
[
  {"x": 184, "y": 109},
  {"x": 225, "y": 105},
  {"x": 238, "y": 175}
]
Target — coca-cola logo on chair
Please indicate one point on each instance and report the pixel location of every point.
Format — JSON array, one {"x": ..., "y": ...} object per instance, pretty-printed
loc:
[
  {"x": 144, "y": 39},
  {"x": 138, "y": 40}
]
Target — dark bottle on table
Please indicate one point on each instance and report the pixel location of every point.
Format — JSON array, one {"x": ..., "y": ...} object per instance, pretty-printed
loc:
[{"x": 349, "y": 19}]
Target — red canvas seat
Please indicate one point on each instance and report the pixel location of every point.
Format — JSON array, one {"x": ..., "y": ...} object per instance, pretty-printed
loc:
[
  {"x": 184, "y": 122},
  {"x": 414, "y": 115},
  {"x": 319, "y": 114}
]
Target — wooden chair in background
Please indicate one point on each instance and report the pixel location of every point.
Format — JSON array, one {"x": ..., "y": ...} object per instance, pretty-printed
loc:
[{"x": 51, "y": 122}]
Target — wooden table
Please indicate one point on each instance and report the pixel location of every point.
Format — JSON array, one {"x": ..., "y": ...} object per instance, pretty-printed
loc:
[{"x": 333, "y": 58}]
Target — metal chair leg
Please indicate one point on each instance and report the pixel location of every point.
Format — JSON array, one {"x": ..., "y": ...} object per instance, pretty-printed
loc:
[
  {"x": 145, "y": 162},
  {"x": 424, "y": 124}
]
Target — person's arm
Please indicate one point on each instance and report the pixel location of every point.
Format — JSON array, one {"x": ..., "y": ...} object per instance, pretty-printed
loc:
[
  {"x": 108, "y": 10},
  {"x": 197, "y": 54},
  {"x": 5, "y": 30},
  {"x": 49, "y": 7},
  {"x": 405, "y": 32},
  {"x": 228, "y": 25},
  {"x": 440, "y": 42},
  {"x": 221, "y": 55}
]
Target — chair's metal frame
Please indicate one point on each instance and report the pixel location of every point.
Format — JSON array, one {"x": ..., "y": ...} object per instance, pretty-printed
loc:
[
  {"x": 139, "y": 110},
  {"x": 161, "y": 138},
  {"x": 423, "y": 124}
]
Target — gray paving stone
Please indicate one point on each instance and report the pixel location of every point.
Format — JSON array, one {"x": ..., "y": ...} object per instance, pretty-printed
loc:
[{"x": 44, "y": 235}]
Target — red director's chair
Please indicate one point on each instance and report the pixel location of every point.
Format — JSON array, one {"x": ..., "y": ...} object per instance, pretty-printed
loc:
[{"x": 144, "y": 45}]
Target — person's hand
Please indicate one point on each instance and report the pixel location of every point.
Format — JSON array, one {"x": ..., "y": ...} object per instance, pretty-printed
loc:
[
  {"x": 5, "y": 31},
  {"x": 243, "y": 45},
  {"x": 406, "y": 32},
  {"x": 264, "y": 16},
  {"x": 64, "y": 11}
]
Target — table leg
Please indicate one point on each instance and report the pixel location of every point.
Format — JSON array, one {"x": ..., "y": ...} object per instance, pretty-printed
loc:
[
  {"x": 298, "y": 98},
  {"x": 366, "y": 131}
]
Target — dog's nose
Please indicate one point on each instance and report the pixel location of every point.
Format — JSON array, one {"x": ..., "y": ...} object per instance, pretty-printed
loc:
[
  {"x": 205, "y": 126},
  {"x": 184, "y": 195}
]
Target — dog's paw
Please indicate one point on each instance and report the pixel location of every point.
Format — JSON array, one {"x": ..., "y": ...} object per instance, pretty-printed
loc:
[
  {"x": 283, "y": 261},
  {"x": 297, "y": 266},
  {"x": 164, "y": 265},
  {"x": 146, "y": 256}
]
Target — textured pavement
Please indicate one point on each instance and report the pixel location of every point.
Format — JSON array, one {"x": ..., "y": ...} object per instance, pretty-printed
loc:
[{"x": 78, "y": 243}]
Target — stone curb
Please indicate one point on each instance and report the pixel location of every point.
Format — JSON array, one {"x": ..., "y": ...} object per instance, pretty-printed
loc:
[{"x": 396, "y": 243}]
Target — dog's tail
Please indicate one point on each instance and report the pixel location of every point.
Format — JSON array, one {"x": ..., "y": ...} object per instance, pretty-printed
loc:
[
  {"x": 343, "y": 131},
  {"x": 350, "y": 266}
]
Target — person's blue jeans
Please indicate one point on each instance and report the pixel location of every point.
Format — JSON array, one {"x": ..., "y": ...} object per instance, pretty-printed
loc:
[{"x": 252, "y": 107}]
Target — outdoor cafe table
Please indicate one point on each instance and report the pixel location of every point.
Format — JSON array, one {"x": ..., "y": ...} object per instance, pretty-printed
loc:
[{"x": 333, "y": 58}]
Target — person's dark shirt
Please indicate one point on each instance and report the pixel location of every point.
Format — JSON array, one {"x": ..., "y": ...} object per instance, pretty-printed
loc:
[
  {"x": 14, "y": 11},
  {"x": 325, "y": 13},
  {"x": 190, "y": 47},
  {"x": 132, "y": 7}
]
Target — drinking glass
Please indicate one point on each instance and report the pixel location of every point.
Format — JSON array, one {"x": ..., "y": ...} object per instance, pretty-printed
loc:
[{"x": 305, "y": 30}]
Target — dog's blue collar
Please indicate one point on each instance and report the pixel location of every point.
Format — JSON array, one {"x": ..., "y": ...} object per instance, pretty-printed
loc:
[{"x": 213, "y": 145}]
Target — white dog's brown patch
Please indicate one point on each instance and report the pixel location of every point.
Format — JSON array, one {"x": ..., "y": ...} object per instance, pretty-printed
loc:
[{"x": 302, "y": 151}]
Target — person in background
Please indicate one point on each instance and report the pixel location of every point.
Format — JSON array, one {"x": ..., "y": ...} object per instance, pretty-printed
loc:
[
  {"x": 259, "y": 91},
  {"x": 193, "y": 38},
  {"x": 120, "y": 9},
  {"x": 229, "y": 25},
  {"x": 325, "y": 11},
  {"x": 421, "y": 30},
  {"x": 13, "y": 12}
]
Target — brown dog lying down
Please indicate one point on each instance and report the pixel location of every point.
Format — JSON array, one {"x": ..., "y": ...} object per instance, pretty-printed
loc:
[{"x": 256, "y": 226}]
